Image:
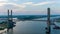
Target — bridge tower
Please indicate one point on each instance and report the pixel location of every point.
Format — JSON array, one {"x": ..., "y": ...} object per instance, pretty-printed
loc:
[
  {"x": 48, "y": 21},
  {"x": 10, "y": 23}
]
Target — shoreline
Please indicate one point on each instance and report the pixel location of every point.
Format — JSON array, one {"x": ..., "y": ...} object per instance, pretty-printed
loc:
[{"x": 2, "y": 31}]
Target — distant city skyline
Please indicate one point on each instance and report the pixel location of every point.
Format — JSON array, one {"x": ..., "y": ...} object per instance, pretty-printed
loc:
[{"x": 29, "y": 7}]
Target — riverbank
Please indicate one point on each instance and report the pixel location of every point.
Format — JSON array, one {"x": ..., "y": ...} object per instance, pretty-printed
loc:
[{"x": 2, "y": 31}]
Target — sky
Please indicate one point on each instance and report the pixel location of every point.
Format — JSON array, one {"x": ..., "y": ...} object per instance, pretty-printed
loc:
[{"x": 30, "y": 7}]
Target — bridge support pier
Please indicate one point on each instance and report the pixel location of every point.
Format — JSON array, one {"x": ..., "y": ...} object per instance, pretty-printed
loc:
[
  {"x": 48, "y": 22},
  {"x": 9, "y": 23}
]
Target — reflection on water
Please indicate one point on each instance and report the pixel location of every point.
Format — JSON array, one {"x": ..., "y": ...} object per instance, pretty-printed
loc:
[
  {"x": 31, "y": 27},
  {"x": 10, "y": 31}
]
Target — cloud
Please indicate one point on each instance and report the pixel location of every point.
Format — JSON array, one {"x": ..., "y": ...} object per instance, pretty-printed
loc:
[
  {"x": 3, "y": 0},
  {"x": 44, "y": 3},
  {"x": 15, "y": 0},
  {"x": 37, "y": 4},
  {"x": 28, "y": 3},
  {"x": 21, "y": 6}
]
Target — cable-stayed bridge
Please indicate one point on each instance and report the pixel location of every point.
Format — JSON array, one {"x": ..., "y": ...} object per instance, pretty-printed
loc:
[{"x": 35, "y": 19}]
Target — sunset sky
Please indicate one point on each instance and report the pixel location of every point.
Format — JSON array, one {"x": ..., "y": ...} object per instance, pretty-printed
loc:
[{"x": 29, "y": 7}]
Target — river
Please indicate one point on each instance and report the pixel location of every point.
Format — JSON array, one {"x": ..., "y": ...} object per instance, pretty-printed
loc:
[{"x": 32, "y": 27}]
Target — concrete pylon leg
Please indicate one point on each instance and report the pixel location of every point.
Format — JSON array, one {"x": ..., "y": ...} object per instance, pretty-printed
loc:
[
  {"x": 9, "y": 30},
  {"x": 8, "y": 22},
  {"x": 48, "y": 22}
]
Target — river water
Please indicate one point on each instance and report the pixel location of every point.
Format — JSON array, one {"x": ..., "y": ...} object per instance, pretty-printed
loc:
[{"x": 32, "y": 27}]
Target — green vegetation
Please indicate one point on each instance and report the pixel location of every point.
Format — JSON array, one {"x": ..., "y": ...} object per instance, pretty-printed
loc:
[
  {"x": 2, "y": 28},
  {"x": 3, "y": 25},
  {"x": 58, "y": 20}
]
